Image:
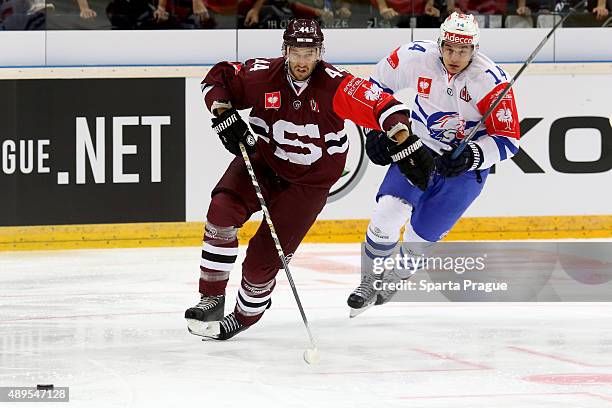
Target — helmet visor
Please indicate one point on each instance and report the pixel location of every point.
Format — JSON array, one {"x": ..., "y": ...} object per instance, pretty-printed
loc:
[{"x": 303, "y": 55}]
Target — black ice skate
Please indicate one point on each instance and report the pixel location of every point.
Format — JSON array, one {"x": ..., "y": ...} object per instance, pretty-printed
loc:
[
  {"x": 225, "y": 329},
  {"x": 364, "y": 296},
  {"x": 209, "y": 309},
  {"x": 385, "y": 295}
]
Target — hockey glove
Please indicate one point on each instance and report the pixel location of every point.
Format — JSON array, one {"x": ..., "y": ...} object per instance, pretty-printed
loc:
[
  {"x": 414, "y": 161},
  {"x": 232, "y": 130},
  {"x": 469, "y": 159},
  {"x": 377, "y": 147}
]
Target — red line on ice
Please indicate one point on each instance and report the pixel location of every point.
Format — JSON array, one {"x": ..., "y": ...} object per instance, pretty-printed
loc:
[
  {"x": 555, "y": 357},
  {"x": 421, "y": 370},
  {"x": 449, "y": 358},
  {"x": 570, "y": 379},
  {"x": 589, "y": 394}
]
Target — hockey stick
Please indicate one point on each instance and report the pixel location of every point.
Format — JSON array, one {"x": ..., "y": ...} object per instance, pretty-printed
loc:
[
  {"x": 482, "y": 120},
  {"x": 310, "y": 355}
]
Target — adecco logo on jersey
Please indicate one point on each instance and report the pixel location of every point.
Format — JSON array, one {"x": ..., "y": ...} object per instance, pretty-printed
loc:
[{"x": 458, "y": 38}]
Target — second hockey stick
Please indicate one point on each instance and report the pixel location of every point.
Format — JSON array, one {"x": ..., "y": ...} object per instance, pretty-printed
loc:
[
  {"x": 469, "y": 137},
  {"x": 311, "y": 355}
]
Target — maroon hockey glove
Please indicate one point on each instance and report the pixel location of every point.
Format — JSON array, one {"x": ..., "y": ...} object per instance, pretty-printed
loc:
[
  {"x": 469, "y": 159},
  {"x": 232, "y": 130},
  {"x": 414, "y": 161}
]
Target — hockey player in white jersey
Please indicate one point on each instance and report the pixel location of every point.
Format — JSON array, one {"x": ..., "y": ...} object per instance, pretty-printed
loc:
[{"x": 455, "y": 85}]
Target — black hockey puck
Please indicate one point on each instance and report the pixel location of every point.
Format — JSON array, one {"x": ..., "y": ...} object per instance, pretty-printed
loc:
[{"x": 44, "y": 386}]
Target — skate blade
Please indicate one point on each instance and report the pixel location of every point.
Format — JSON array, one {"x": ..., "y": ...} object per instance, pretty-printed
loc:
[
  {"x": 356, "y": 312},
  {"x": 210, "y": 330}
]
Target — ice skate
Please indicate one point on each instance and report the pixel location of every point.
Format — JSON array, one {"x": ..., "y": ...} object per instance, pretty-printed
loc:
[
  {"x": 224, "y": 329},
  {"x": 364, "y": 296},
  {"x": 209, "y": 309},
  {"x": 389, "y": 279}
]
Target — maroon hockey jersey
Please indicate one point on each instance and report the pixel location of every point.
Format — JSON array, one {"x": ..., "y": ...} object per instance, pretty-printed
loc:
[{"x": 301, "y": 131}]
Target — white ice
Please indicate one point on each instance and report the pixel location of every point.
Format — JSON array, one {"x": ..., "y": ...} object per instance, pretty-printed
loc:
[{"x": 109, "y": 325}]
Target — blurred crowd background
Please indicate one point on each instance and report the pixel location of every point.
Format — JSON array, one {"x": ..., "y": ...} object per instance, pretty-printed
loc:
[{"x": 274, "y": 14}]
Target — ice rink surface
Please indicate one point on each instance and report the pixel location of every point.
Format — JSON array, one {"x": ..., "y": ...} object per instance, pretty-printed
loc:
[{"x": 109, "y": 325}]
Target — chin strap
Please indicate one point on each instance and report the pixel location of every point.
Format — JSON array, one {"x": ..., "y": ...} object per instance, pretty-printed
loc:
[{"x": 292, "y": 82}]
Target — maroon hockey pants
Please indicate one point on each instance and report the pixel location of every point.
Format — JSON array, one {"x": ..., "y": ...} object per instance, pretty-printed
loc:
[{"x": 293, "y": 209}]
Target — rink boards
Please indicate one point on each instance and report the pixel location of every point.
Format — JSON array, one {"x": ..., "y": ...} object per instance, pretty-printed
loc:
[
  {"x": 95, "y": 157},
  {"x": 353, "y": 46}
]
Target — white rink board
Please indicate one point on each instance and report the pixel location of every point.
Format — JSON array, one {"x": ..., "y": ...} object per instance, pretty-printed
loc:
[
  {"x": 24, "y": 48},
  {"x": 148, "y": 47},
  {"x": 357, "y": 46},
  {"x": 509, "y": 192}
]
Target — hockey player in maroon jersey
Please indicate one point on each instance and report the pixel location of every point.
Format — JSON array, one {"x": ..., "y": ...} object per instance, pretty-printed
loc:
[{"x": 299, "y": 104}]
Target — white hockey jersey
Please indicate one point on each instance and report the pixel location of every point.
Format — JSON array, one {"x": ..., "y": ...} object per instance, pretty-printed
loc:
[{"x": 446, "y": 107}]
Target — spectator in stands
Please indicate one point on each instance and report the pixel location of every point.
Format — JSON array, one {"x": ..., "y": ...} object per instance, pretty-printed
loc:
[
  {"x": 133, "y": 14},
  {"x": 195, "y": 14},
  {"x": 600, "y": 10},
  {"x": 85, "y": 12},
  {"x": 488, "y": 13},
  {"x": 264, "y": 13},
  {"x": 352, "y": 13},
  {"x": 196, "y": 8},
  {"x": 343, "y": 9},
  {"x": 481, "y": 7},
  {"x": 161, "y": 12},
  {"x": 522, "y": 16},
  {"x": 597, "y": 7},
  {"x": 329, "y": 13},
  {"x": 322, "y": 10},
  {"x": 223, "y": 13},
  {"x": 23, "y": 15},
  {"x": 182, "y": 12},
  {"x": 77, "y": 14},
  {"x": 522, "y": 9},
  {"x": 427, "y": 12},
  {"x": 252, "y": 16}
]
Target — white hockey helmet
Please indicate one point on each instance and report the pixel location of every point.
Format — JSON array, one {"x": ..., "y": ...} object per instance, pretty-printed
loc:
[{"x": 460, "y": 29}]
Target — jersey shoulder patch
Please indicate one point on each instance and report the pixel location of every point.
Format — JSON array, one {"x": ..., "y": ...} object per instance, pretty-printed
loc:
[
  {"x": 410, "y": 52},
  {"x": 393, "y": 58}
]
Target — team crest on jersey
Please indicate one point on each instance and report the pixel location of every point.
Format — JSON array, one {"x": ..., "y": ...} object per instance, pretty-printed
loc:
[
  {"x": 374, "y": 93},
  {"x": 424, "y": 87},
  {"x": 446, "y": 126},
  {"x": 314, "y": 106},
  {"x": 464, "y": 94},
  {"x": 363, "y": 91},
  {"x": 504, "y": 115},
  {"x": 393, "y": 59},
  {"x": 273, "y": 100},
  {"x": 503, "y": 121}
]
